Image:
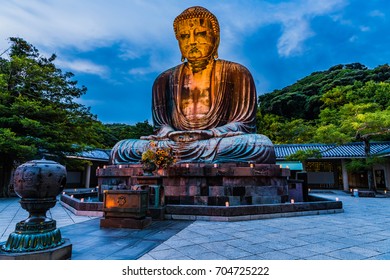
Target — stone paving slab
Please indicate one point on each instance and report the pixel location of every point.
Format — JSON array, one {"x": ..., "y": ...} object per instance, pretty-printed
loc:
[
  {"x": 97, "y": 243},
  {"x": 354, "y": 234},
  {"x": 361, "y": 232}
]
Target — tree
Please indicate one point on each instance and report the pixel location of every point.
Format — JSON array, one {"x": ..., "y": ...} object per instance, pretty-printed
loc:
[
  {"x": 118, "y": 131},
  {"x": 38, "y": 113},
  {"x": 346, "y": 103},
  {"x": 284, "y": 131},
  {"x": 303, "y": 99},
  {"x": 304, "y": 155},
  {"x": 358, "y": 113},
  {"x": 368, "y": 126}
]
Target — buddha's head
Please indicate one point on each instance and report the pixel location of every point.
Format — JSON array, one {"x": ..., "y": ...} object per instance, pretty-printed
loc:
[{"x": 197, "y": 31}]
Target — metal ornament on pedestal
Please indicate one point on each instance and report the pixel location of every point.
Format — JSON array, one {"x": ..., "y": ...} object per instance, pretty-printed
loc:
[
  {"x": 37, "y": 183},
  {"x": 148, "y": 168}
]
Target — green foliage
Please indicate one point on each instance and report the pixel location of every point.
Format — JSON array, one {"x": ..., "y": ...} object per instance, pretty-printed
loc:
[
  {"x": 116, "y": 132},
  {"x": 303, "y": 155},
  {"x": 38, "y": 112},
  {"x": 330, "y": 133},
  {"x": 303, "y": 99},
  {"x": 356, "y": 166},
  {"x": 354, "y": 121},
  {"x": 363, "y": 165},
  {"x": 283, "y": 131},
  {"x": 358, "y": 93},
  {"x": 333, "y": 106},
  {"x": 11, "y": 144}
]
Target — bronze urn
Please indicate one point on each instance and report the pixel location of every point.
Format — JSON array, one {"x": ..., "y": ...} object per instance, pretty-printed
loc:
[{"x": 37, "y": 183}]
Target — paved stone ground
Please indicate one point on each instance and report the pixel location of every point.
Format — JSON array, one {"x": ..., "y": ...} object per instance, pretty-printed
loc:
[{"x": 361, "y": 232}]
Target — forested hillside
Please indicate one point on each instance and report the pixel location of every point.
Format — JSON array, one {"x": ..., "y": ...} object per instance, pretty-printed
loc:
[
  {"x": 118, "y": 131},
  {"x": 335, "y": 105}
]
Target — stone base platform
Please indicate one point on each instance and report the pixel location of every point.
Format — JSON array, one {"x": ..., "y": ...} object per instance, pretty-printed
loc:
[
  {"x": 252, "y": 212},
  {"x": 157, "y": 213},
  {"x": 63, "y": 252},
  {"x": 223, "y": 184},
  {"x": 366, "y": 193}
]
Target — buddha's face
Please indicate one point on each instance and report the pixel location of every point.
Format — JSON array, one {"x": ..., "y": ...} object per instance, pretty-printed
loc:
[{"x": 196, "y": 39}]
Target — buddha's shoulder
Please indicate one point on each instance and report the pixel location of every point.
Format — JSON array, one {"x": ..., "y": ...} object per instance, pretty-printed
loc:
[
  {"x": 232, "y": 66},
  {"x": 169, "y": 72}
]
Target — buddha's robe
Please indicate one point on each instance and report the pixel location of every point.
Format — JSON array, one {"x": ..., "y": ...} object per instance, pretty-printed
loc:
[{"x": 231, "y": 118}]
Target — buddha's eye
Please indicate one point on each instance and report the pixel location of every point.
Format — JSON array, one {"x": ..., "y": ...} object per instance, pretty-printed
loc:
[
  {"x": 202, "y": 33},
  {"x": 184, "y": 36}
]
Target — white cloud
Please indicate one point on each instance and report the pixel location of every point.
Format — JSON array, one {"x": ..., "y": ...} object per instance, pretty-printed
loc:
[
  {"x": 157, "y": 62},
  {"x": 129, "y": 54},
  {"x": 54, "y": 26},
  {"x": 295, "y": 19},
  {"x": 377, "y": 13},
  {"x": 84, "y": 66},
  {"x": 84, "y": 24},
  {"x": 293, "y": 37},
  {"x": 353, "y": 38},
  {"x": 88, "y": 102}
]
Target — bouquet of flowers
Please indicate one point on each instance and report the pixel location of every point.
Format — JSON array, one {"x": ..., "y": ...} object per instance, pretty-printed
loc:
[{"x": 161, "y": 157}]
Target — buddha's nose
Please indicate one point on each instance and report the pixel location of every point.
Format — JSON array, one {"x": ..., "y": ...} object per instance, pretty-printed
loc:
[{"x": 192, "y": 40}]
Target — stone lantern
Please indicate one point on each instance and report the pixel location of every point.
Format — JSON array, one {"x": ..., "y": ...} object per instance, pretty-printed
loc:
[{"x": 37, "y": 183}]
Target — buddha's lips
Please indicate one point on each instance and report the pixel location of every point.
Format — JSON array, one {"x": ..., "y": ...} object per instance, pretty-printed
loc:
[{"x": 194, "y": 50}]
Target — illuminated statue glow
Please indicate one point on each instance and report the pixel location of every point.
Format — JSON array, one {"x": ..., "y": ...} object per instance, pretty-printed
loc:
[{"x": 205, "y": 108}]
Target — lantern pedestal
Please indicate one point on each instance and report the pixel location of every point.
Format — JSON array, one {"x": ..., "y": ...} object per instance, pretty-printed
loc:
[
  {"x": 62, "y": 252},
  {"x": 37, "y": 237}
]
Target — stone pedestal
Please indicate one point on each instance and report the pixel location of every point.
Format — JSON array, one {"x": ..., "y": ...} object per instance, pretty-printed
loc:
[
  {"x": 155, "y": 188},
  {"x": 37, "y": 183},
  {"x": 125, "y": 209},
  {"x": 208, "y": 184},
  {"x": 61, "y": 252}
]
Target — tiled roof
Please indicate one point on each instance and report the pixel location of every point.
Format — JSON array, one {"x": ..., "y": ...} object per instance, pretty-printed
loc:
[
  {"x": 97, "y": 155},
  {"x": 350, "y": 150},
  {"x": 385, "y": 152},
  {"x": 284, "y": 150}
]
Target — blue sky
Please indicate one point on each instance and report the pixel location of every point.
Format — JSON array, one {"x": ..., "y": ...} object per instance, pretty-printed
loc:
[{"x": 117, "y": 48}]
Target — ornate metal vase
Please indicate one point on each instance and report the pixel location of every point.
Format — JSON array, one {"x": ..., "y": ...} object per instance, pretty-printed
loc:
[
  {"x": 37, "y": 183},
  {"x": 148, "y": 168}
]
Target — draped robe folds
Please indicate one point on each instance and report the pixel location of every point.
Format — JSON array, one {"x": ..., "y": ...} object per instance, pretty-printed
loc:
[{"x": 231, "y": 118}]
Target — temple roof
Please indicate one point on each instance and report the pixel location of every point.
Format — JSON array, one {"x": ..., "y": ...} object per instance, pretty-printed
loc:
[
  {"x": 94, "y": 155},
  {"x": 349, "y": 150}
]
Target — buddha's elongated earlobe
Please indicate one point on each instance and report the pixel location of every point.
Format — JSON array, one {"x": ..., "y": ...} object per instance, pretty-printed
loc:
[
  {"x": 183, "y": 58},
  {"x": 215, "y": 50}
]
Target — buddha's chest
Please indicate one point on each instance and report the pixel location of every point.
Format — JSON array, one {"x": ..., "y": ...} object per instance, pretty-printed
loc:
[{"x": 195, "y": 99}]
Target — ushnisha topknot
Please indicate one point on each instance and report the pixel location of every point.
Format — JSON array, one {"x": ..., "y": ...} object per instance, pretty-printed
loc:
[{"x": 197, "y": 12}]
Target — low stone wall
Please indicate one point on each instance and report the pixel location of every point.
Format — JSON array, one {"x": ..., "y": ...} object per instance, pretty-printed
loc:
[
  {"x": 315, "y": 206},
  {"x": 81, "y": 208},
  {"x": 253, "y": 212}
]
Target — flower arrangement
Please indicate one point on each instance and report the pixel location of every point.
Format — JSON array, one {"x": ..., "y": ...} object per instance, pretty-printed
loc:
[{"x": 161, "y": 157}]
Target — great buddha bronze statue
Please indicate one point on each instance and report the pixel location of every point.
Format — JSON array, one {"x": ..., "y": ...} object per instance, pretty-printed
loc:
[{"x": 205, "y": 108}]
